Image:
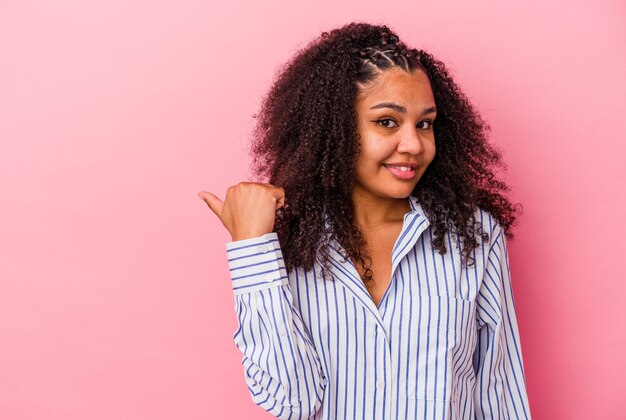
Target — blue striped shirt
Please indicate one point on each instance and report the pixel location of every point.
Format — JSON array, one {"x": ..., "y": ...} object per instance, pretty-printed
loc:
[{"x": 443, "y": 343}]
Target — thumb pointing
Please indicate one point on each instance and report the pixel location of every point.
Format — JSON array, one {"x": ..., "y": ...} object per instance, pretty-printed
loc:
[{"x": 214, "y": 203}]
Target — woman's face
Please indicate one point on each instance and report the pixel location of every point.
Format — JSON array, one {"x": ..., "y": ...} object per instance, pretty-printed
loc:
[{"x": 395, "y": 114}]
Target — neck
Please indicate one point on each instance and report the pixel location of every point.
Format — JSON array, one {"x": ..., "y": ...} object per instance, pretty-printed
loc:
[{"x": 372, "y": 212}]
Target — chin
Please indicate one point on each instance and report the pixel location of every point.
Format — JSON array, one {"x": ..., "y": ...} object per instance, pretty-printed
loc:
[
  {"x": 398, "y": 194},
  {"x": 387, "y": 189}
]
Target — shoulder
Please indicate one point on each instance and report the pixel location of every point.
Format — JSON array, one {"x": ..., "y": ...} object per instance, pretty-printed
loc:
[{"x": 489, "y": 223}]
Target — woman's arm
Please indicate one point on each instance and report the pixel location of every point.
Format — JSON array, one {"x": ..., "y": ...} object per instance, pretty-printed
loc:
[
  {"x": 500, "y": 391},
  {"x": 281, "y": 366}
]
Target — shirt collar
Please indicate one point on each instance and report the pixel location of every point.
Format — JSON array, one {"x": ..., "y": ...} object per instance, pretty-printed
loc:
[{"x": 414, "y": 224}]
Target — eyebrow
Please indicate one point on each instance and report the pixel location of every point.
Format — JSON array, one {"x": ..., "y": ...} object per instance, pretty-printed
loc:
[{"x": 400, "y": 108}]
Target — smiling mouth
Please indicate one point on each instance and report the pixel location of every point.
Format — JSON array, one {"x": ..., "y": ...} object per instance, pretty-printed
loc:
[
  {"x": 401, "y": 167},
  {"x": 403, "y": 172}
]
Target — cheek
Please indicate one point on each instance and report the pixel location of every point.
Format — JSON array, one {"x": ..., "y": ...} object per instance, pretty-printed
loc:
[
  {"x": 377, "y": 150},
  {"x": 431, "y": 150},
  {"x": 370, "y": 159},
  {"x": 368, "y": 152}
]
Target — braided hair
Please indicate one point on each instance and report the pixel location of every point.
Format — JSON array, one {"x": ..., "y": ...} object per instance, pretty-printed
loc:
[{"x": 306, "y": 141}]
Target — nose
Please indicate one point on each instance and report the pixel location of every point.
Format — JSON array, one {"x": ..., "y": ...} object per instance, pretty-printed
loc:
[{"x": 410, "y": 141}]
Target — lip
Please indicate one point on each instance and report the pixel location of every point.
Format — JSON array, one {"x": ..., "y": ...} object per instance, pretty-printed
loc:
[
  {"x": 399, "y": 174},
  {"x": 411, "y": 165}
]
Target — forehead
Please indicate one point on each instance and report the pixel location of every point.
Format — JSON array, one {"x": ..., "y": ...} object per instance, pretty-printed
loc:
[{"x": 397, "y": 85}]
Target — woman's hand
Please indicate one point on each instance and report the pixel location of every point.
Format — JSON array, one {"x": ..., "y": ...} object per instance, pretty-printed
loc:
[{"x": 249, "y": 208}]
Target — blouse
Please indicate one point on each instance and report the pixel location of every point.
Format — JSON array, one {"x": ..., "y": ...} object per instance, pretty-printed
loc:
[{"x": 443, "y": 342}]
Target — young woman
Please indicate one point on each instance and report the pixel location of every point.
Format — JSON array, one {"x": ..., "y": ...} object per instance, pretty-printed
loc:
[{"x": 370, "y": 272}]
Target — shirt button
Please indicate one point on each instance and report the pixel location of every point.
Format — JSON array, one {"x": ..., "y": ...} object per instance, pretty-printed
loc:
[
  {"x": 380, "y": 384},
  {"x": 269, "y": 278},
  {"x": 295, "y": 403},
  {"x": 282, "y": 331},
  {"x": 264, "y": 248}
]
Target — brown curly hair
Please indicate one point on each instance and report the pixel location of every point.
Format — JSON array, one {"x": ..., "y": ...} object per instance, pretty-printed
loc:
[{"x": 306, "y": 141}]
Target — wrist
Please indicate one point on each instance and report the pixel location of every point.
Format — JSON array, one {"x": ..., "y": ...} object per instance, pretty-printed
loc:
[{"x": 247, "y": 235}]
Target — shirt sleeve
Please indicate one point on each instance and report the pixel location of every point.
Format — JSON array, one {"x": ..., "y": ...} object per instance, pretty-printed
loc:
[
  {"x": 281, "y": 366},
  {"x": 500, "y": 389}
]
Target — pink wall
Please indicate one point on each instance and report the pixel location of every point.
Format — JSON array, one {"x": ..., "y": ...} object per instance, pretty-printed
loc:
[{"x": 115, "y": 299}]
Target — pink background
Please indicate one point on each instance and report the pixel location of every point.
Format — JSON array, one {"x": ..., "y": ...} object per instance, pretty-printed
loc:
[{"x": 115, "y": 299}]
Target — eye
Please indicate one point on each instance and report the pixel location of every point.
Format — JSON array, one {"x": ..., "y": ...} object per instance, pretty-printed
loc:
[
  {"x": 383, "y": 120},
  {"x": 425, "y": 125}
]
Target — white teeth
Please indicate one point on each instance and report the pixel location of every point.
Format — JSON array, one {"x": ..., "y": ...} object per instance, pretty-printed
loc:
[{"x": 402, "y": 168}]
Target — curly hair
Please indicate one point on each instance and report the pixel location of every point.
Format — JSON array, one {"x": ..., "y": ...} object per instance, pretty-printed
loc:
[{"x": 306, "y": 141}]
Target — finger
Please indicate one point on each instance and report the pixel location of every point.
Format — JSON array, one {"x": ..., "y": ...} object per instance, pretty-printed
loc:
[
  {"x": 215, "y": 204},
  {"x": 279, "y": 197}
]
